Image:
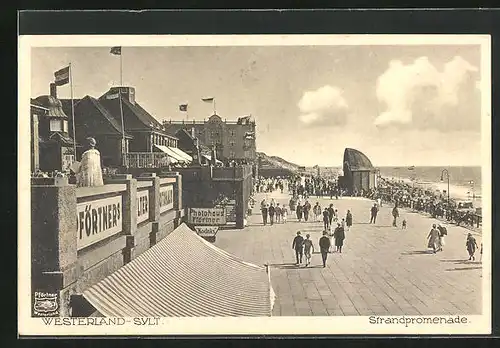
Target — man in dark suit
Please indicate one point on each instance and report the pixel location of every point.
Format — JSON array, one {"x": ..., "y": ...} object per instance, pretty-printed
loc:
[
  {"x": 374, "y": 212},
  {"x": 298, "y": 245},
  {"x": 324, "y": 246}
]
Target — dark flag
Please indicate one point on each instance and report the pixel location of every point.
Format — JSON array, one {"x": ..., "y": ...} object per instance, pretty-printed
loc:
[
  {"x": 117, "y": 51},
  {"x": 62, "y": 76},
  {"x": 208, "y": 100},
  {"x": 183, "y": 107}
]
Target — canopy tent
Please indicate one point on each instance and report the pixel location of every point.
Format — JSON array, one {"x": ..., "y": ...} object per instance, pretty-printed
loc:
[
  {"x": 184, "y": 276},
  {"x": 182, "y": 154},
  {"x": 174, "y": 157}
]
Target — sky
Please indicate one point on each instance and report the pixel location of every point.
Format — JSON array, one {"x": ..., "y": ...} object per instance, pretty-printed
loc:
[{"x": 400, "y": 105}]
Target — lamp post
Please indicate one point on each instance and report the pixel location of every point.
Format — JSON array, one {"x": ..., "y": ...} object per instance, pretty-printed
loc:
[{"x": 448, "y": 179}]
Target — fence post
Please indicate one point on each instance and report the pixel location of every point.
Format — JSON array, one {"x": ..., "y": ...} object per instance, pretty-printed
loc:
[{"x": 129, "y": 210}]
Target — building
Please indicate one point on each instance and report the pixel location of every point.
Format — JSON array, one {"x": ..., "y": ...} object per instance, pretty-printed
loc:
[
  {"x": 140, "y": 142},
  {"x": 232, "y": 139},
  {"x": 359, "y": 173},
  {"x": 52, "y": 147}
]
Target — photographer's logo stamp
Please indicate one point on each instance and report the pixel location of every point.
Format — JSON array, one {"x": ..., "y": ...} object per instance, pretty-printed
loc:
[{"x": 45, "y": 304}]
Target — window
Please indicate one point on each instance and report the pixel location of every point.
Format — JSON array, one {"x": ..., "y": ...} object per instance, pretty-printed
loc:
[
  {"x": 231, "y": 132},
  {"x": 55, "y": 126},
  {"x": 231, "y": 143},
  {"x": 232, "y": 154},
  {"x": 65, "y": 126}
]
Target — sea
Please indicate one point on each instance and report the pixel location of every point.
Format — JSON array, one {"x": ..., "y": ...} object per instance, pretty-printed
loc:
[{"x": 465, "y": 182}]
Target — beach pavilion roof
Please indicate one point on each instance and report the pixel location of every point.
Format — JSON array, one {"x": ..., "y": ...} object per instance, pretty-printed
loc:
[{"x": 356, "y": 160}]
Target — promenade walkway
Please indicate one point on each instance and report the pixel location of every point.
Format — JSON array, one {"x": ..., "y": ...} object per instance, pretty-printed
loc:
[{"x": 382, "y": 270}]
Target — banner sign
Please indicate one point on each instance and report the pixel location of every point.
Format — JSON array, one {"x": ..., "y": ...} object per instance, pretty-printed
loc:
[
  {"x": 142, "y": 206},
  {"x": 207, "y": 216},
  {"x": 166, "y": 198},
  {"x": 206, "y": 231},
  {"x": 97, "y": 220}
]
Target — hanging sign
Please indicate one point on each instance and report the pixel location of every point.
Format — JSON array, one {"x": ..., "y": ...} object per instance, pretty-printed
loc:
[
  {"x": 207, "y": 216},
  {"x": 206, "y": 231}
]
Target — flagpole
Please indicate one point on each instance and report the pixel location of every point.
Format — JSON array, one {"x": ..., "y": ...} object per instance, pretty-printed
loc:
[
  {"x": 121, "y": 69},
  {"x": 72, "y": 108},
  {"x": 123, "y": 125},
  {"x": 215, "y": 111}
]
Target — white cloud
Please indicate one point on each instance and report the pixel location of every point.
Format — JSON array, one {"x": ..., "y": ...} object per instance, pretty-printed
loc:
[
  {"x": 420, "y": 94},
  {"x": 324, "y": 106}
]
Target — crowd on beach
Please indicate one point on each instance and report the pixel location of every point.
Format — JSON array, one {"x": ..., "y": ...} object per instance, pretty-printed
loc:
[{"x": 396, "y": 194}]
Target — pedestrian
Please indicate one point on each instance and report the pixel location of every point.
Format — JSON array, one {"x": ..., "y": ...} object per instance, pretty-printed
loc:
[
  {"x": 271, "y": 212},
  {"x": 348, "y": 219},
  {"x": 297, "y": 245},
  {"x": 331, "y": 213},
  {"x": 433, "y": 237},
  {"x": 339, "y": 236},
  {"x": 342, "y": 223},
  {"x": 308, "y": 247},
  {"x": 471, "y": 245},
  {"x": 395, "y": 215},
  {"x": 307, "y": 209},
  {"x": 373, "y": 213},
  {"x": 403, "y": 224},
  {"x": 442, "y": 233},
  {"x": 299, "y": 211},
  {"x": 317, "y": 212},
  {"x": 324, "y": 246},
  {"x": 284, "y": 214},
  {"x": 89, "y": 171},
  {"x": 264, "y": 211},
  {"x": 278, "y": 213},
  {"x": 379, "y": 201},
  {"x": 326, "y": 219}
]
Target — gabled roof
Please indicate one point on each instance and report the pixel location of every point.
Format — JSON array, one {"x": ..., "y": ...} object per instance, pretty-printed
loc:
[{"x": 79, "y": 104}]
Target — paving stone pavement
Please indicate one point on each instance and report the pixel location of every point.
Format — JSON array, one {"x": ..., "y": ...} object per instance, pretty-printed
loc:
[{"x": 383, "y": 270}]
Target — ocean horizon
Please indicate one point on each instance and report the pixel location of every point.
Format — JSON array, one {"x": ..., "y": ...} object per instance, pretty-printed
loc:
[{"x": 430, "y": 178}]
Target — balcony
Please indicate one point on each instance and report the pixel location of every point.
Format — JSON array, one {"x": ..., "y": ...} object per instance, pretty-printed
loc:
[{"x": 145, "y": 160}]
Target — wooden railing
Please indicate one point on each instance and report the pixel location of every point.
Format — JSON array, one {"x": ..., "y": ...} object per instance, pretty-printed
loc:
[{"x": 145, "y": 160}]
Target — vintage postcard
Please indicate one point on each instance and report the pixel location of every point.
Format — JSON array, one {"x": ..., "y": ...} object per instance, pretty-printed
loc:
[{"x": 255, "y": 184}]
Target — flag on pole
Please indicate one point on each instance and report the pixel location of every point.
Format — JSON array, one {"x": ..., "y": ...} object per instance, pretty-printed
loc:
[
  {"x": 208, "y": 100},
  {"x": 62, "y": 76},
  {"x": 183, "y": 107},
  {"x": 117, "y": 51}
]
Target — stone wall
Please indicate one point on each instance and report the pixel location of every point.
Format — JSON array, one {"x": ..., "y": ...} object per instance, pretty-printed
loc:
[{"x": 79, "y": 236}]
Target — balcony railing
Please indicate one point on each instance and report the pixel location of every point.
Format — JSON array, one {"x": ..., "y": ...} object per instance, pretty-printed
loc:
[{"x": 145, "y": 160}]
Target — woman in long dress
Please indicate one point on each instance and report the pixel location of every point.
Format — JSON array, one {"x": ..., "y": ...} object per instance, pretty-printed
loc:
[
  {"x": 471, "y": 245},
  {"x": 433, "y": 237},
  {"x": 90, "y": 171},
  {"x": 339, "y": 236},
  {"x": 348, "y": 219}
]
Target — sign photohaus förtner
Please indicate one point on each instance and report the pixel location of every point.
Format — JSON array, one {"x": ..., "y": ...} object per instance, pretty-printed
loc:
[
  {"x": 206, "y": 231},
  {"x": 207, "y": 216}
]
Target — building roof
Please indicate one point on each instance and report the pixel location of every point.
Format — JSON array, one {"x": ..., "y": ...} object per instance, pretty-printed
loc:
[
  {"x": 356, "y": 160},
  {"x": 88, "y": 101},
  {"x": 54, "y": 106},
  {"x": 146, "y": 120},
  {"x": 184, "y": 276}
]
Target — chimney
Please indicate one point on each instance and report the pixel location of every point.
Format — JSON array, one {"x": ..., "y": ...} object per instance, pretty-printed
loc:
[{"x": 53, "y": 90}]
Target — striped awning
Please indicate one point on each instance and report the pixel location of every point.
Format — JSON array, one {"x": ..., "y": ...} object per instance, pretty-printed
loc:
[
  {"x": 182, "y": 154},
  {"x": 184, "y": 276}
]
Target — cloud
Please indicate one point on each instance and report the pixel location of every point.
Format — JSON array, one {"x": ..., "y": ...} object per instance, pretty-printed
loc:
[
  {"x": 324, "y": 106},
  {"x": 418, "y": 95}
]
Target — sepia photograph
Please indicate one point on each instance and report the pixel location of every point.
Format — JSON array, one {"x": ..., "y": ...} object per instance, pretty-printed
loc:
[{"x": 296, "y": 184}]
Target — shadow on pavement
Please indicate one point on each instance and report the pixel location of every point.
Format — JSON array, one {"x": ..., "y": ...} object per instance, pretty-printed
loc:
[
  {"x": 417, "y": 252},
  {"x": 463, "y": 262},
  {"x": 463, "y": 268},
  {"x": 299, "y": 267}
]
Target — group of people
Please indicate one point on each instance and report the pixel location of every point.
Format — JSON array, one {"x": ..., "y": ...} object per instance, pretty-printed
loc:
[
  {"x": 305, "y": 247},
  {"x": 270, "y": 184},
  {"x": 273, "y": 212}
]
